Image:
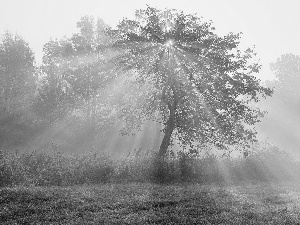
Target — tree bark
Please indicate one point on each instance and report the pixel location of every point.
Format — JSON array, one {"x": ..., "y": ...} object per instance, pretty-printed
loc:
[
  {"x": 161, "y": 174},
  {"x": 93, "y": 113},
  {"x": 170, "y": 126}
]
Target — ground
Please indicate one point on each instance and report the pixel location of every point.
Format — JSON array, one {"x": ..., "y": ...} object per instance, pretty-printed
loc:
[{"x": 259, "y": 203}]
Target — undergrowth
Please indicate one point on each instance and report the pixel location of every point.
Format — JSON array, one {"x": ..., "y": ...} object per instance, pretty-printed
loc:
[{"x": 55, "y": 168}]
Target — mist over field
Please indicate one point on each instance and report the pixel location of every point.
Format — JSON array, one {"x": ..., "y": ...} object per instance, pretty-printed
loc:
[{"x": 161, "y": 113}]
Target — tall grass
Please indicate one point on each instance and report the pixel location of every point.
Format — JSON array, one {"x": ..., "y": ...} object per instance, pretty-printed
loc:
[
  {"x": 55, "y": 168},
  {"x": 40, "y": 168}
]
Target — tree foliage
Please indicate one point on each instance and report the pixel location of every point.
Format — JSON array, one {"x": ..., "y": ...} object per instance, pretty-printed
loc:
[
  {"x": 55, "y": 97},
  {"x": 164, "y": 66},
  {"x": 281, "y": 122},
  {"x": 287, "y": 72},
  {"x": 17, "y": 88},
  {"x": 197, "y": 84},
  {"x": 72, "y": 73},
  {"x": 16, "y": 71}
]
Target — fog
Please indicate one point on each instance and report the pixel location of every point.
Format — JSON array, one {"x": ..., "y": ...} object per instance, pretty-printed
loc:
[{"x": 77, "y": 91}]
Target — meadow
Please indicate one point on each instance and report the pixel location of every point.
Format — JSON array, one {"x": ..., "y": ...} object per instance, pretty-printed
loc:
[
  {"x": 44, "y": 188},
  {"x": 148, "y": 203}
]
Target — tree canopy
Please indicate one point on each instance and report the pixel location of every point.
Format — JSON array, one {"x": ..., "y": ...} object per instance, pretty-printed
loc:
[
  {"x": 163, "y": 66},
  {"x": 281, "y": 122},
  {"x": 287, "y": 72},
  {"x": 197, "y": 84},
  {"x": 17, "y": 88},
  {"x": 16, "y": 71}
]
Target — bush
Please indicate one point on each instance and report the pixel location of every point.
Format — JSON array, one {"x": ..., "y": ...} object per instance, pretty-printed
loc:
[{"x": 54, "y": 168}]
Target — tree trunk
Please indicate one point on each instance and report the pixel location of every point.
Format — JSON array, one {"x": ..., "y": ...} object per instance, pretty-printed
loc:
[
  {"x": 93, "y": 113},
  {"x": 161, "y": 174},
  {"x": 170, "y": 126},
  {"x": 88, "y": 110}
]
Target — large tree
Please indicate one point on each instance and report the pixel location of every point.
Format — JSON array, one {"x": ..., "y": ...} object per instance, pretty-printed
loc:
[{"x": 197, "y": 84}]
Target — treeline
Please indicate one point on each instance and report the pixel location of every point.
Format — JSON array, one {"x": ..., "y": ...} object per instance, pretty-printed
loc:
[
  {"x": 68, "y": 97},
  {"x": 62, "y": 93}
]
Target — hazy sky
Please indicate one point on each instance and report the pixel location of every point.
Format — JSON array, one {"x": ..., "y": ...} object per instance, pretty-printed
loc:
[{"x": 271, "y": 25}]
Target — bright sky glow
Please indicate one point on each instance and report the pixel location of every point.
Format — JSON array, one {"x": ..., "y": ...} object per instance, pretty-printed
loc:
[
  {"x": 272, "y": 26},
  {"x": 169, "y": 43}
]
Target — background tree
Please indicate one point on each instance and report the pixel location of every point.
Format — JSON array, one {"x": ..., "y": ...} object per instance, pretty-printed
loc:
[
  {"x": 67, "y": 76},
  {"x": 17, "y": 89},
  {"x": 197, "y": 84},
  {"x": 55, "y": 98},
  {"x": 16, "y": 71},
  {"x": 287, "y": 73},
  {"x": 281, "y": 122},
  {"x": 71, "y": 77},
  {"x": 87, "y": 31},
  {"x": 86, "y": 73}
]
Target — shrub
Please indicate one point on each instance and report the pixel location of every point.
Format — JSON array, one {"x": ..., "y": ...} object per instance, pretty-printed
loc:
[{"x": 54, "y": 168}]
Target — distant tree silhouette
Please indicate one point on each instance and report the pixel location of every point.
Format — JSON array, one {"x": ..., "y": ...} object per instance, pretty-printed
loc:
[
  {"x": 281, "y": 122},
  {"x": 16, "y": 71}
]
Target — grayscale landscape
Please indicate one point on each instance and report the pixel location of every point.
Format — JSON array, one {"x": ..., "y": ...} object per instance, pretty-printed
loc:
[{"x": 149, "y": 112}]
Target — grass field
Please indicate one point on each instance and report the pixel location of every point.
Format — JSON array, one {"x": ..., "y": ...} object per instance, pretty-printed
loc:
[{"x": 144, "y": 203}]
